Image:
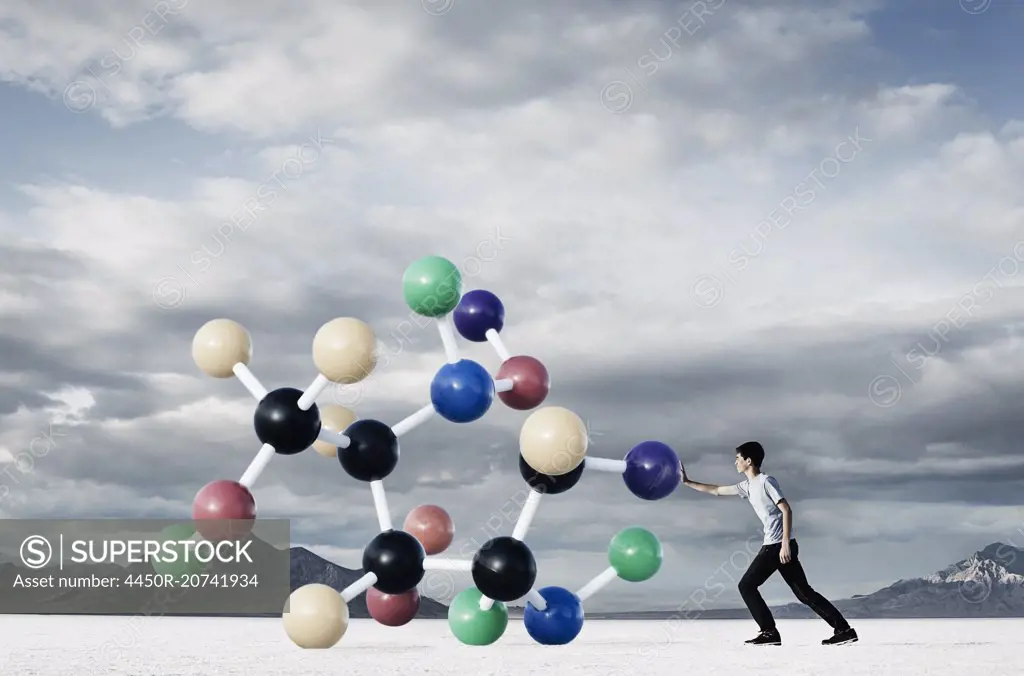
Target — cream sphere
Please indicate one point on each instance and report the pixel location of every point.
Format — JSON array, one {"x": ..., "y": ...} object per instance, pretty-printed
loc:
[
  {"x": 316, "y": 617},
  {"x": 335, "y": 419},
  {"x": 218, "y": 345},
  {"x": 553, "y": 440},
  {"x": 344, "y": 350}
]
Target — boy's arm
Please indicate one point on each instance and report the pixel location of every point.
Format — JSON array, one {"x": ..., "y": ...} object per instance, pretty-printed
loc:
[
  {"x": 771, "y": 486},
  {"x": 711, "y": 489},
  {"x": 787, "y": 521}
]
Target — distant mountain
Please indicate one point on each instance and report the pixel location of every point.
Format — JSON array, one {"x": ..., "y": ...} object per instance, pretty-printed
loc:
[{"x": 988, "y": 583}]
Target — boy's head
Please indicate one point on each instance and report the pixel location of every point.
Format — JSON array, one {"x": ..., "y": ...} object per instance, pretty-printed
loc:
[{"x": 749, "y": 454}]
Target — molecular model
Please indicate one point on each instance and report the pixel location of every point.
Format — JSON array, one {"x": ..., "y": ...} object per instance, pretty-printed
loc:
[{"x": 553, "y": 455}]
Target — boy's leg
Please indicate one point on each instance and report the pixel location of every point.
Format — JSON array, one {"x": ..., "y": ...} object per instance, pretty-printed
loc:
[
  {"x": 761, "y": 568},
  {"x": 793, "y": 574}
]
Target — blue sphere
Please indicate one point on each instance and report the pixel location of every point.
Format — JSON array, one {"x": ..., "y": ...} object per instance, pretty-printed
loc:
[
  {"x": 560, "y": 622},
  {"x": 462, "y": 392},
  {"x": 652, "y": 470},
  {"x": 478, "y": 312}
]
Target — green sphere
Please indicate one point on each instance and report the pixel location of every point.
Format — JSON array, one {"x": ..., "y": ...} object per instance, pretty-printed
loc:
[
  {"x": 635, "y": 554},
  {"x": 432, "y": 286},
  {"x": 473, "y": 626},
  {"x": 179, "y": 567}
]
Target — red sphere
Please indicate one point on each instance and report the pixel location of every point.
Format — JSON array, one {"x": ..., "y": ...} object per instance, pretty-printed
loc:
[
  {"x": 393, "y": 610},
  {"x": 530, "y": 382},
  {"x": 224, "y": 510},
  {"x": 432, "y": 526}
]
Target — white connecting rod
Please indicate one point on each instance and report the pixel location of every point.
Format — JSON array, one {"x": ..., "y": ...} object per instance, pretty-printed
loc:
[
  {"x": 597, "y": 584},
  {"x": 526, "y": 516},
  {"x": 534, "y": 597},
  {"x": 251, "y": 382},
  {"x": 605, "y": 465},
  {"x": 413, "y": 421},
  {"x": 499, "y": 346},
  {"x": 453, "y": 565},
  {"x": 358, "y": 587},
  {"x": 314, "y": 390},
  {"x": 380, "y": 503},
  {"x": 258, "y": 464},
  {"x": 446, "y": 327}
]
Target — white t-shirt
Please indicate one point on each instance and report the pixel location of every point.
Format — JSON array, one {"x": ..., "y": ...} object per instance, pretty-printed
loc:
[{"x": 764, "y": 494}]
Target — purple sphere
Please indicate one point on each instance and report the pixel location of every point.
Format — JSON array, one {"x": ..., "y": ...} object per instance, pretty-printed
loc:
[
  {"x": 652, "y": 470},
  {"x": 478, "y": 312}
]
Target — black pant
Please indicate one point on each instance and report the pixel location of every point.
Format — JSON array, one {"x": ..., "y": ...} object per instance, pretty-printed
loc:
[{"x": 763, "y": 566}]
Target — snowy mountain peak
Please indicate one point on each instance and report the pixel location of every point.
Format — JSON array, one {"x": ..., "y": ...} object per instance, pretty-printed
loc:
[
  {"x": 974, "y": 569},
  {"x": 997, "y": 563},
  {"x": 1009, "y": 556}
]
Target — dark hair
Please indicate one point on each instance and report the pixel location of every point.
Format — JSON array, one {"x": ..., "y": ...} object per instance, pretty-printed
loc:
[{"x": 752, "y": 451}]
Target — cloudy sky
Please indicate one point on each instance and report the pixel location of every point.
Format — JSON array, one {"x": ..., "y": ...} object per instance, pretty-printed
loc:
[{"x": 787, "y": 221}]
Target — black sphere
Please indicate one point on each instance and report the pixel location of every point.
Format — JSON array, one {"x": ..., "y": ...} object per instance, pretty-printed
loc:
[
  {"x": 504, "y": 569},
  {"x": 396, "y": 558},
  {"x": 281, "y": 423},
  {"x": 372, "y": 453},
  {"x": 546, "y": 483}
]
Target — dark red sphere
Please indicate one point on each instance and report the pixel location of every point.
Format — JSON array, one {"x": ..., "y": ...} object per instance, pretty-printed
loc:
[
  {"x": 224, "y": 510},
  {"x": 393, "y": 610},
  {"x": 530, "y": 382}
]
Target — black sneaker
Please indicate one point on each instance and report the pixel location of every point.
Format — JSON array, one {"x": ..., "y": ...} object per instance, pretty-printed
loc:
[
  {"x": 769, "y": 637},
  {"x": 841, "y": 637}
]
